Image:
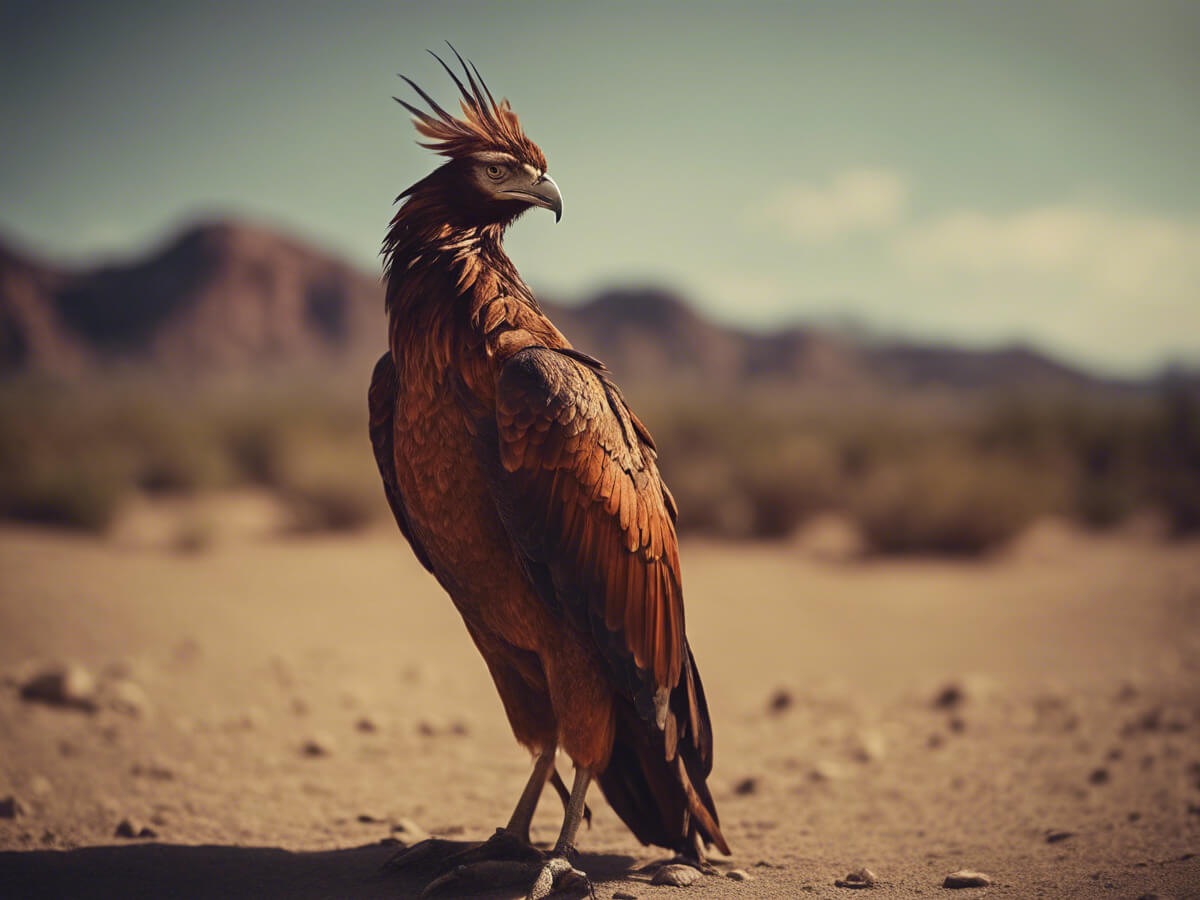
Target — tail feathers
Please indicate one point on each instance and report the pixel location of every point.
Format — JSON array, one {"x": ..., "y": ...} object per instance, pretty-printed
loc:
[{"x": 663, "y": 802}]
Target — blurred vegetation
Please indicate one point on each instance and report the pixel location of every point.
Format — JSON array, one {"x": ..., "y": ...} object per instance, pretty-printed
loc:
[{"x": 951, "y": 478}]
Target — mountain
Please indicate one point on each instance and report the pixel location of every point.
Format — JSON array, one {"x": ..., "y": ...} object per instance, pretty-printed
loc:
[{"x": 227, "y": 296}]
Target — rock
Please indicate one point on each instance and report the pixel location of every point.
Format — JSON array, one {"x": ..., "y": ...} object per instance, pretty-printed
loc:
[
  {"x": 746, "y": 786},
  {"x": 369, "y": 819},
  {"x": 67, "y": 685},
  {"x": 676, "y": 875},
  {"x": 858, "y": 879},
  {"x": 317, "y": 745},
  {"x": 128, "y": 829},
  {"x": 965, "y": 878},
  {"x": 827, "y": 770},
  {"x": 739, "y": 875},
  {"x": 40, "y": 786},
  {"x": 780, "y": 701},
  {"x": 156, "y": 770},
  {"x": 869, "y": 747},
  {"x": 624, "y": 895},
  {"x": 426, "y": 729},
  {"x": 957, "y": 724},
  {"x": 366, "y": 725},
  {"x": 129, "y": 698},
  {"x": 409, "y": 831},
  {"x": 951, "y": 696},
  {"x": 1053, "y": 837},
  {"x": 1099, "y": 776},
  {"x": 11, "y": 807}
]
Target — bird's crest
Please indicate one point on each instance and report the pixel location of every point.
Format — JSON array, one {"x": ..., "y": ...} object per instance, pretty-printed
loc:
[{"x": 486, "y": 126}]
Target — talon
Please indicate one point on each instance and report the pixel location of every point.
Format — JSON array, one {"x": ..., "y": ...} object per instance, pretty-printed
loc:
[
  {"x": 422, "y": 853},
  {"x": 559, "y": 876},
  {"x": 480, "y": 876}
]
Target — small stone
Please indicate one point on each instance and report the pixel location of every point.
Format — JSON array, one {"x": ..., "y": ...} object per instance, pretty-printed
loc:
[
  {"x": 128, "y": 829},
  {"x": 369, "y": 819},
  {"x": 951, "y": 696},
  {"x": 11, "y": 807},
  {"x": 426, "y": 729},
  {"x": 869, "y": 747},
  {"x": 459, "y": 728},
  {"x": 780, "y": 701},
  {"x": 860, "y": 878},
  {"x": 827, "y": 770},
  {"x": 366, "y": 725},
  {"x": 746, "y": 786},
  {"x": 67, "y": 685},
  {"x": 676, "y": 875},
  {"x": 1053, "y": 837},
  {"x": 40, "y": 786},
  {"x": 739, "y": 875},
  {"x": 957, "y": 724},
  {"x": 317, "y": 745},
  {"x": 409, "y": 831},
  {"x": 624, "y": 895},
  {"x": 965, "y": 878},
  {"x": 1099, "y": 776}
]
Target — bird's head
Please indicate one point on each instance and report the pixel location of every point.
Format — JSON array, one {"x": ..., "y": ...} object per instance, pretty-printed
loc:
[{"x": 495, "y": 172}]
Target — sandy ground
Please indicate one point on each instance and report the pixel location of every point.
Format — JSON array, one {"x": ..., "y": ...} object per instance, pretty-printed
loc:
[{"x": 270, "y": 709}]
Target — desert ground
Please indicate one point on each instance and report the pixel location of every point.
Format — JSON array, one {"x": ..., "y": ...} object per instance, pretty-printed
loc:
[{"x": 279, "y": 714}]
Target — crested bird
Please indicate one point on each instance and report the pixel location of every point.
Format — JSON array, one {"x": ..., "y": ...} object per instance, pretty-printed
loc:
[{"x": 530, "y": 490}]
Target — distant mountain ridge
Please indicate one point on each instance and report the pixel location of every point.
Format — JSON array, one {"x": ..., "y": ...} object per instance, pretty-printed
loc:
[{"x": 227, "y": 296}]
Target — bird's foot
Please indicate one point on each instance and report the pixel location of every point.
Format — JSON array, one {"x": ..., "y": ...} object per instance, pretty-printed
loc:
[
  {"x": 555, "y": 876},
  {"x": 503, "y": 846},
  {"x": 427, "y": 854},
  {"x": 558, "y": 876}
]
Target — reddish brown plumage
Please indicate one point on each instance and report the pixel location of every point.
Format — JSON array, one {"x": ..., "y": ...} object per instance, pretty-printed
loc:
[{"x": 530, "y": 490}]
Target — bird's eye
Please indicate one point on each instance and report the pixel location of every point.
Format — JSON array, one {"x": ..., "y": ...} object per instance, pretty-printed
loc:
[{"x": 494, "y": 171}]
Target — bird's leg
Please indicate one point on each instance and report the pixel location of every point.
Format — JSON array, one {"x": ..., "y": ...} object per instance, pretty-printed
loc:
[
  {"x": 564, "y": 795},
  {"x": 543, "y": 765},
  {"x": 548, "y": 876},
  {"x": 511, "y": 843},
  {"x": 558, "y": 874}
]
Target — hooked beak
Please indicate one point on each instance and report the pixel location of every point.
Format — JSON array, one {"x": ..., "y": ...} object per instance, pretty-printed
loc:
[{"x": 543, "y": 192}]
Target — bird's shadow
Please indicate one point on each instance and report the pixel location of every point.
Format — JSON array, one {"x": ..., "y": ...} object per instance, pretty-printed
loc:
[{"x": 162, "y": 871}]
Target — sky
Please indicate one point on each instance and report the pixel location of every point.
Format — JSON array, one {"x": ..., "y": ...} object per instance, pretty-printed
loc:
[{"x": 980, "y": 173}]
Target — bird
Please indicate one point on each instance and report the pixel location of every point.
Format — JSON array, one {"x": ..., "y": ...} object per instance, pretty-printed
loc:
[{"x": 531, "y": 491}]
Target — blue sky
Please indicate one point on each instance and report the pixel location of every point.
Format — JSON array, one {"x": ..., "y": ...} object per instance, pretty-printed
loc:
[{"x": 974, "y": 172}]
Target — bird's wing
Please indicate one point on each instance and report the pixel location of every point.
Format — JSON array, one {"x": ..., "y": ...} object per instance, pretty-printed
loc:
[
  {"x": 381, "y": 401},
  {"x": 577, "y": 487}
]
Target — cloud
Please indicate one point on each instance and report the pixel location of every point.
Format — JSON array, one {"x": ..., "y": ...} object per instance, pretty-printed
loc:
[
  {"x": 852, "y": 201},
  {"x": 1122, "y": 255}
]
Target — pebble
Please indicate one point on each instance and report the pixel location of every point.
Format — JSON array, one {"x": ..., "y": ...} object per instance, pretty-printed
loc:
[
  {"x": 869, "y": 747},
  {"x": 624, "y": 895},
  {"x": 1053, "y": 837},
  {"x": 780, "y": 701},
  {"x": 827, "y": 770},
  {"x": 366, "y": 725},
  {"x": 1099, "y": 776},
  {"x": 746, "y": 786},
  {"x": 951, "y": 696},
  {"x": 65, "y": 684},
  {"x": 739, "y": 875},
  {"x": 40, "y": 786},
  {"x": 409, "y": 831},
  {"x": 676, "y": 875},
  {"x": 965, "y": 878},
  {"x": 11, "y": 807},
  {"x": 860, "y": 878},
  {"x": 127, "y": 829},
  {"x": 128, "y": 697},
  {"x": 317, "y": 745}
]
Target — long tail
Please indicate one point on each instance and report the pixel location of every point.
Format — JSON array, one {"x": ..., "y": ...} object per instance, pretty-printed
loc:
[{"x": 666, "y": 801}]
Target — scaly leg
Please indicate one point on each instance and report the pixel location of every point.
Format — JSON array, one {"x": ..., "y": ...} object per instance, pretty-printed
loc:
[
  {"x": 558, "y": 874},
  {"x": 508, "y": 843}
]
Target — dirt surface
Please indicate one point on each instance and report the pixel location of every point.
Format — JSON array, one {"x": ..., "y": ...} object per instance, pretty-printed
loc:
[{"x": 270, "y": 709}]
